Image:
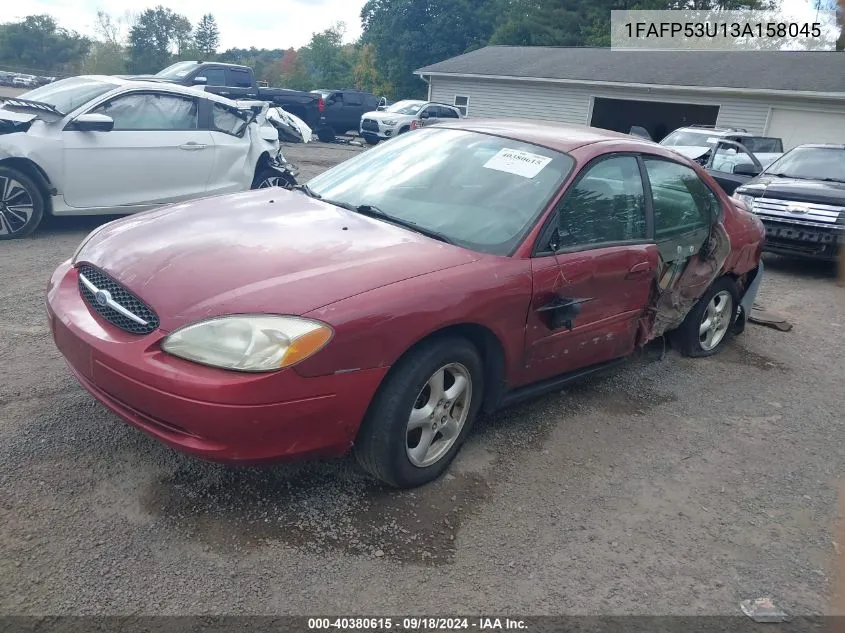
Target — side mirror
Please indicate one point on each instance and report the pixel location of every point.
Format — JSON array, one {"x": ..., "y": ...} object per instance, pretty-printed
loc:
[
  {"x": 200, "y": 81},
  {"x": 746, "y": 169},
  {"x": 425, "y": 115},
  {"x": 92, "y": 123},
  {"x": 381, "y": 108}
]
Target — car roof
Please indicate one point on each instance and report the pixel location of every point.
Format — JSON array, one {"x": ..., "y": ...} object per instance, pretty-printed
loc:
[
  {"x": 562, "y": 137},
  {"x": 822, "y": 146},
  {"x": 159, "y": 85}
]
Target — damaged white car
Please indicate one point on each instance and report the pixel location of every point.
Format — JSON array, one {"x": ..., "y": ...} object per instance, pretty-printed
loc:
[{"x": 95, "y": 145}]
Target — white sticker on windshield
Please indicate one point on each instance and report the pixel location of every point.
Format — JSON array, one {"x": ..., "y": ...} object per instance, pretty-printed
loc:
[
  {"x": 514, "y": 161},
  {"x": 712, "y": 139}
]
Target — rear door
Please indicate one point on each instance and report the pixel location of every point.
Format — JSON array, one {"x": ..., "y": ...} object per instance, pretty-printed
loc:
[
  {"x": 429, "y": 115},
  {"x": 157, "y": 152},
  {"x": 353, "y": 110},
  {"x": 233, "y": 168},
  {"x": 594, "y": 271},
  {"x": 239, "y": 82},
  {"x": 683, "y": 207}
]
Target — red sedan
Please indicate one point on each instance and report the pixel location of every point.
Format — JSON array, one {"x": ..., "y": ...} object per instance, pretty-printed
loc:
[{"x": 385, "y": 304}]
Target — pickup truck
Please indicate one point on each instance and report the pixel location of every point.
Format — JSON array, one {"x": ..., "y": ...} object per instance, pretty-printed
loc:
[
  {"x": 237, "y": 82},
  {"x": 344, "y": 109}
]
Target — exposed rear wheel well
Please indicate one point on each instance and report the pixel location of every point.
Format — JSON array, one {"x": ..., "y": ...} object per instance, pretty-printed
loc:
[
  {"x": 492, "y": 354},
  {"x": 37, "y": 175}
]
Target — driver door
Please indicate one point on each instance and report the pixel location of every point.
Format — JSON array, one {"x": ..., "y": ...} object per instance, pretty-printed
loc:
[
  {"x": 429, "y": 116},
  {"x": 728, "y": 160},
  {"x": 156, "y": 153}
]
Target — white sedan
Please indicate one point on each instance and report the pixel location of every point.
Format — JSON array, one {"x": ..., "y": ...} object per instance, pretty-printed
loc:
[{"x": 103, "y": 145}]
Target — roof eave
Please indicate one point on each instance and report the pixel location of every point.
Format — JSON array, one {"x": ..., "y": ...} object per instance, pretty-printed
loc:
[{"x": 620, "y": 84}]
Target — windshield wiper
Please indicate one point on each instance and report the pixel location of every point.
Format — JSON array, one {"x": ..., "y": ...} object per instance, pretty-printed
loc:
[
  {"x": 830, "y": 179},
  {"x": 308, "y": 191},
  {"x": 375, "y": 212},
  {"x": 782, "y": 175}
]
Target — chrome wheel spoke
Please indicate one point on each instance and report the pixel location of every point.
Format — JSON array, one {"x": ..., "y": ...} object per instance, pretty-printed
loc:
[
  {"x": 451, "y": 429},
  {"x": 420, "y": 417},
  {"x": 706, "y": 324},
  {"x": 457, "y": 388},
  {"x": 435, "y": 383},
  {"x": 16, "y": 206},
  {"x": 716, "y": 320},
  {"x": 419, "y": 453}
]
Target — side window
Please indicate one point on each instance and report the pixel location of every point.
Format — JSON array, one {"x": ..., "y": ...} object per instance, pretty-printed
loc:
[
  {"x": 215, "y": 76},
  {"x": 239, "y": 78},
  {"x": 431, "y": 111},
  {"x": 352, "y": 98},
  {"x": 682, "y": 202},
  {"x": 150, "y": 111},
  {"x": 606, "y": 204},
  {"x": 448, "y": 113},
  {"x": 462, "y": 104},
  {"x": 228, "y": 121}
]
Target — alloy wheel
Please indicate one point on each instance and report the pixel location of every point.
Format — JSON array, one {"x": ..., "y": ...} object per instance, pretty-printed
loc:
[
  {"x": 438, "y": 415},
  {"x": 16, "y": 206},
  {"x": 715, "y": 321}
]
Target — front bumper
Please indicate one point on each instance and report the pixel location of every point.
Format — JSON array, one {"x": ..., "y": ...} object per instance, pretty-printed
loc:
[
  {"x": 380, "y": 131},
  {"x": 801, "y": 240},
  {"x": 212, "y": 413}
]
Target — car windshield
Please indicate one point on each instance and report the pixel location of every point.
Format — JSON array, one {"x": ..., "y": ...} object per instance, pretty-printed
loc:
[
  {"x": 177, "y": 70},
  {"x": 688, "y": 138},
  {"x": 66, "y": 95},
  {"x": 811, "y": 163},
  {"x": 406, "y": 107},
  {"x": 478, "y": 191}
]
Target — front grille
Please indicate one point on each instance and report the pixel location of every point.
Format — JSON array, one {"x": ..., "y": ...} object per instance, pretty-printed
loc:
[
  {"x": 369, "y": 124},
  {"x": 122, "y": 297},
  {"x": 812, "y": 214}
]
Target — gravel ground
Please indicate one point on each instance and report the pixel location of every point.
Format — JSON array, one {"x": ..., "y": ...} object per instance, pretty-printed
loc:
[{"x": 670, "y": 486}]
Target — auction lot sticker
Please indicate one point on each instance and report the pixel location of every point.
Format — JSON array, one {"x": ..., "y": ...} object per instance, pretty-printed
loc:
[{"x": 514, "y": 161}]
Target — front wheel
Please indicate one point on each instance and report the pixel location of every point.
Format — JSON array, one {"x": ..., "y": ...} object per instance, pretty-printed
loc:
[
  {"x": 267, "y": 178},
  {"x": 709, "y": 324},
  {"x": 372, "y": 140},
  {"x": 422, "y": 414},
  {"x": 21, "y": 204},
  {"x": 326, "y": 134}
]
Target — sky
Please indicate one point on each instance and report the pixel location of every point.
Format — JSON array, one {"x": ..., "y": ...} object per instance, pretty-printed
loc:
[{"x": 263, "y": 24}]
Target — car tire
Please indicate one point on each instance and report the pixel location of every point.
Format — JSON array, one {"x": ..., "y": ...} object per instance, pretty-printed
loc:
[
  {"x": 372, "y": 140},
  {"x": 397, "y": 442},
  {"x": 710, "y": 323},
  {"x": 403, "y": 130},
  {"x": 265, "y": 178},
  {"x": 326, "y": 134},
  {"x": 21, "y": 204}
]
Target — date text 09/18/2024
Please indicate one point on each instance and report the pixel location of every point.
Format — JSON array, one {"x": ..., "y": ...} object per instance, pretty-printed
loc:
[{"x": 416, "y": 623}]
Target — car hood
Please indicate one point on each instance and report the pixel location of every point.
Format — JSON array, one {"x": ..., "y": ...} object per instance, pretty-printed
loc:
[
  {"x": 820, "y": 192},
  {"x": 382, "y": 116},
  {"x": 265, "y": 251}
]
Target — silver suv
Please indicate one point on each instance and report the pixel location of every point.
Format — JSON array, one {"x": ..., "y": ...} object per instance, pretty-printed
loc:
[{"x": 404, "y": 116}]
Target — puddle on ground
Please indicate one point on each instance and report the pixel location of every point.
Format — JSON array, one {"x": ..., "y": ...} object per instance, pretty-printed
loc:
[
  {"x": 318, "y": 507},
  {"x": 739, "y": 355}
]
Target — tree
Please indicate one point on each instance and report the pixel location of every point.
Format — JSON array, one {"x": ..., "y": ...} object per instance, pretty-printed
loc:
[
  {"x": 108, "y": 53},
  {"x": 408, "y": 34},
  {"x": 38, "y": 44},
  {"x": 207, "y": 36},
  {"x": 367, "y": 75},
  {"x": 293, "y": 72},
  {"x": 330, "y": 62},
  {"x": 156, "y": 35}
]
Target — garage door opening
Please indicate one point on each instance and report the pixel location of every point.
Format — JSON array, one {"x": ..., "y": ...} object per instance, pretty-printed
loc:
[{"x": 658, "y": 117}]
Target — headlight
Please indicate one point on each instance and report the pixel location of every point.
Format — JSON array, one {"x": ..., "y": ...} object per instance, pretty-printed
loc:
[
  {"x": 745, "y": 199},
  {"x": 253, "y": 343},
  {"x": 85, "y": 241},
  {"x": 390, "y": 122}
]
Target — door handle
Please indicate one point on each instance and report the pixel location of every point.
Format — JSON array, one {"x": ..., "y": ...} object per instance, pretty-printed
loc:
[
  {"x": 193, "y": 146},
  {"x": 639, "y": 270}
]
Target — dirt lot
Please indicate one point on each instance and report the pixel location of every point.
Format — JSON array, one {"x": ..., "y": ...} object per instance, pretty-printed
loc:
[{"x": 676, "y": 486}]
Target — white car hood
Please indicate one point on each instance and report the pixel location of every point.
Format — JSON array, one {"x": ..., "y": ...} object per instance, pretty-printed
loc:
[
  {"x": 17, "y": 117},
  {"x": 690, "y": 151}
]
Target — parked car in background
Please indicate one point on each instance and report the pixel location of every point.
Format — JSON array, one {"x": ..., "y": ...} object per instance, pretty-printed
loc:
[
  {"x": 234, "y": 81},
  {"x": 697, "y": 142},
  {"x": 404, "y": 116},
  {"x": 731, "y": 164},
  {"x": 801, "y": 200},
  {"x": 385, "y": 304},
  {"x": 344, "y": 109},
  {"x": 101, "y": 145}
]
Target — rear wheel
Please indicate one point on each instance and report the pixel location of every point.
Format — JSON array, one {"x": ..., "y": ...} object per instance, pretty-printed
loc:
[
  {"x": 266, "y": 178},
  {"x": 421, "y": 416},
  {"x": 21, "y": 204},
  {"x": 709, "y": 325},
  {"x": 326, "y": 134}
]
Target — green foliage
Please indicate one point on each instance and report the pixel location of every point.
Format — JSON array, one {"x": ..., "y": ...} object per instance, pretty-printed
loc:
[
  {"x": 261, "y": 60},
  {"x": 37, "y": 43},
  {"x": 154, "y": 38},
  {"x": 408, "y": 34},
  {"x": 207, "y": 36}
]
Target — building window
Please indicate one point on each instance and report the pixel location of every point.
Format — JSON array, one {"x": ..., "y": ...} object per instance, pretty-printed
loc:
[{"x": 462, "y": 104}]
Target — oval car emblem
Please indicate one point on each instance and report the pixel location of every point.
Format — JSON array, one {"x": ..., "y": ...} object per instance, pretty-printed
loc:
[
  {"x": 798, "y": 208},
  {"x": 102, "y": 297}
]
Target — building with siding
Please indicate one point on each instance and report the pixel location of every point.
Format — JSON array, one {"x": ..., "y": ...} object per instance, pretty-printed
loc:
[{"x": 797, "y": 96}]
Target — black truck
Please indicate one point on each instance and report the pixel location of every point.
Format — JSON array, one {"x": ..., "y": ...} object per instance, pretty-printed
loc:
[
  {"x": 238, "y": 82},
  {"x": 801, "y": 200},
  {"x": 344, "y": 109}
]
